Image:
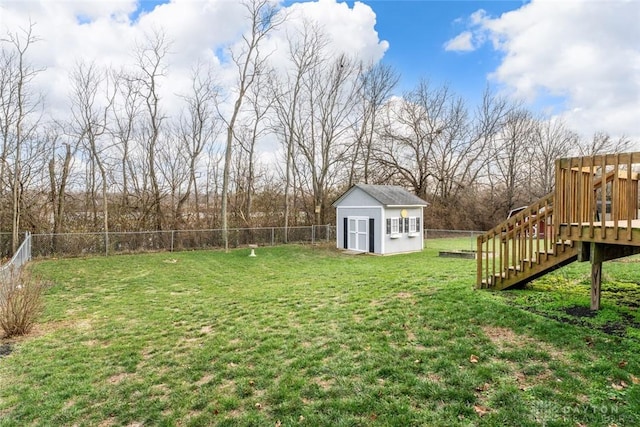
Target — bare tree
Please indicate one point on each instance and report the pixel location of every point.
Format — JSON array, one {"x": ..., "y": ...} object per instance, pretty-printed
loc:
[
  {"x": 20, "y": 115},
  {"x": 479, "y": 200},
  {"x": 331, "y": 96},
  {"x": 304, "y": 54},
  {"x": 127, "y": 107},
  {"x": 250, "y": 62},
  {"x": 63, "y": 149},
  {"x": 551, "y": 140},
  {"x": 602, "y": 142},
  {"x": 91, "y": 101},
  {"x": 252, "y": 129},
  {"x": 199, "y": 127},
  {"x": 410, "y": 130},
  {"x": 378, "y": 82},
  {"x": 173, "y": 170},
  {"x": 460, "y": 150},
  {"x": 513, "y": 158},
  {"x": 151, "y": 58}
]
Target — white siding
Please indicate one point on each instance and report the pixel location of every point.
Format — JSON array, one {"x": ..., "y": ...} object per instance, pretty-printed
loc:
[{"x": 360, "y": 204}]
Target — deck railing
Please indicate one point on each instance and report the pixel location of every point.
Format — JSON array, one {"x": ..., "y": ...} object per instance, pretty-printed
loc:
[{"x": 598, "y": 192}]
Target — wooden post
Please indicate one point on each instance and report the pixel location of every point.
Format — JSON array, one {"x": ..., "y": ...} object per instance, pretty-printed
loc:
[{"x": 597, "y": 256}]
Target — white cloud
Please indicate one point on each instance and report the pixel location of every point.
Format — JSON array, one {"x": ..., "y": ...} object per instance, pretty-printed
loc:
[
  {"x": 107, "y": 32},
  {"x": 585, "y": 52},
  {"x": 463, "y": 42},
  {"x": 351, "y": 30}
]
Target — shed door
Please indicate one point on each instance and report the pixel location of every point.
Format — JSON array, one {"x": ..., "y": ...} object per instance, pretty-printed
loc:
[{"x": 358, "y": 233}]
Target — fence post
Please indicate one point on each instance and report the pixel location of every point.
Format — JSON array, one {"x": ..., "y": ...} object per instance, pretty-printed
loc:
[
  {"x": 273, "y": 236},
  {"x": 28, "y": 239},
  {"x": 172, "y": 237},
  {"x": 313, "y": 234},
  {"x": 106, "y": 243}
]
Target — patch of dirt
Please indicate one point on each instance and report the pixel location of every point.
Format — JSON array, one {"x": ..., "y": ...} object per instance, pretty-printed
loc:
[
  {"x": 620, "y": 328},
  {"x": 204, "y": 380},
  {"x": 404, "y": 295},
  {"x": 501, "y": 336},
  {"x": 505, "y": 338},
  {"x": 162, "y": 390},
  {"x": 206, "y": 329},
  {"x": 147, "y": 353},
  {"x": 117, "y": 378},
  {"x": 325, "y": 384},
  {"x": 38, "y": 330},
  {"x": 111, "y": 421},
  {"x": 582, "y": 315},
  {"x": 434, "y": 377},
  {"x": 580, "y": 311},
  {"x": 227, "y": 387},
  {"x": 6, "y": 349}
]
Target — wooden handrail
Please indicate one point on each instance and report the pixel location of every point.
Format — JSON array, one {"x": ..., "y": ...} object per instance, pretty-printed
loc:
[{"x": 526, "y": 238}]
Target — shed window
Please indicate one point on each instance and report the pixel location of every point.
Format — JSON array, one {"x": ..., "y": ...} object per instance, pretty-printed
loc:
[
  {"x": 412, "y": 224},
  {"x": 395, "y": 227}
]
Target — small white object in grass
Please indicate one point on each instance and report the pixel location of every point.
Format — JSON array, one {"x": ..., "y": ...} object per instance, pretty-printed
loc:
[{"x": 253, "y": 252}]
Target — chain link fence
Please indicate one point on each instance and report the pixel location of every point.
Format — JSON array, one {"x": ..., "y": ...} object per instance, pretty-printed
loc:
[
  {"x": 5, "y": 245},
  {"x": 21, "y": 257},
  {"x": 81, "y": 244}
]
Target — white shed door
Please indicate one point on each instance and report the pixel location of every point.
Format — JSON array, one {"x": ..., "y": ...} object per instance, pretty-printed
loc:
[{"x": 358, "y": 233}]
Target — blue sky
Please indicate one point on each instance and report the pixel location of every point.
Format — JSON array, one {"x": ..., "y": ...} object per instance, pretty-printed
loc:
[{"x": 417, "y": 31}]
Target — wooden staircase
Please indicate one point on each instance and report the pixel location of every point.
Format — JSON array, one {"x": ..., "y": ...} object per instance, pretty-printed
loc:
[
  {"x": 522, "y": 248},
  {"x": 591, "y": 216}
]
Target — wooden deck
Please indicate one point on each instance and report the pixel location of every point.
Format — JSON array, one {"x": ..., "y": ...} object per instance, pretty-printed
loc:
[
  {"x": 622, "y": 232},
  {"x": 592, "y": 216}
]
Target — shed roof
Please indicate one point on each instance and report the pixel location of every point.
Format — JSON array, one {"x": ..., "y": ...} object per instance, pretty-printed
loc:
[{"x": 387, "y": 195}]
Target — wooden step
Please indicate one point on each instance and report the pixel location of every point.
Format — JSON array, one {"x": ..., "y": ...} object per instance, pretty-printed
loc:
[{"x": 526, "y": 274}]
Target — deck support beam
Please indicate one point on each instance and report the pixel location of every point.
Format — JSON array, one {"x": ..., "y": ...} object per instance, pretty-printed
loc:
[{"x": 597, "y": 257}]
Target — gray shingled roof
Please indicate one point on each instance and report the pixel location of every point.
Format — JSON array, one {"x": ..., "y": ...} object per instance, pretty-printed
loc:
[{"x": 388, "y": 195}]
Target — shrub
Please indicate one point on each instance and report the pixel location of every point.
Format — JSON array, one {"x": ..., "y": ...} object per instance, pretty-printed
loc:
[{"x": 20, "y": 302}]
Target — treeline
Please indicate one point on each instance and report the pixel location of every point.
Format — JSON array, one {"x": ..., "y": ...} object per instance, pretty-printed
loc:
[{"x": 297, "y": 128}]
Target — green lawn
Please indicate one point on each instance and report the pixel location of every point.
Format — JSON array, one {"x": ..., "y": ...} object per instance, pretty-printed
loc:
[{"x": 304, "y": 335}]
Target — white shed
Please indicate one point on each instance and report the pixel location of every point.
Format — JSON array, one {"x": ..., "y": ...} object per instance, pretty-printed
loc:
[{"x": 381, "y": 219}]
